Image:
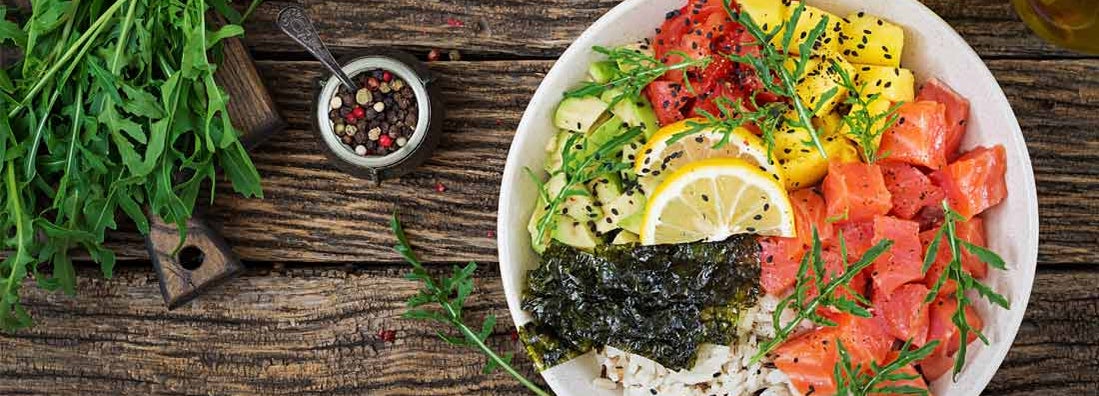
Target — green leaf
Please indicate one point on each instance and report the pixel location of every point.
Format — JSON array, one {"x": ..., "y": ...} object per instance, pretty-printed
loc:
[
  {"x": 487, "y": 326},
  {"x": 225, "y": 32},
  {"x": 986, "y": 256},
  {"x": 141, "y": 103}
]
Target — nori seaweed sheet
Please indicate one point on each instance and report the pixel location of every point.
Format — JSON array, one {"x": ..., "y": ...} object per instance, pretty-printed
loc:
[{"x": 660, "y": 302}]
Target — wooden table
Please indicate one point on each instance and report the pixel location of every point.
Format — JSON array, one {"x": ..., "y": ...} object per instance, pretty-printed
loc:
[{"x": 322, "y": 281}]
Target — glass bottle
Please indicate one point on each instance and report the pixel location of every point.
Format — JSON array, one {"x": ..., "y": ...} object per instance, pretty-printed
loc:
[{"x": 1071, "y": 24}]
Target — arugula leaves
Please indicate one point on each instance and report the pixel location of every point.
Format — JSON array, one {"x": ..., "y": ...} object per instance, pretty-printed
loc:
[
  {"x": 857, "y": 380},
  {"x": 771, "y": 62},
  {"x": 638, "y": 71},
  {"x": 450, "y": 294},
  {"x": 956, "y": 273},
  {"x": 866, "y": 127},
  {"x": 113, "y": 108},
  {"x": 805, "y": 307}
]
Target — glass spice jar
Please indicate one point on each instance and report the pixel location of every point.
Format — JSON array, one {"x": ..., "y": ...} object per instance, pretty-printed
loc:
[{"x": 388, "y": 125}]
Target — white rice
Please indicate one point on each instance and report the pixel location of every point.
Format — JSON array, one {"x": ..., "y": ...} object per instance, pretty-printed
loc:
[{"x": 719, "y": 369}]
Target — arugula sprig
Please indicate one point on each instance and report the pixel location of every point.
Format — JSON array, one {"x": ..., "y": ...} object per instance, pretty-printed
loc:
[
  {"x": 865, "y": 126},
  {"x": 112, "y": 108},
  {"x": 805, "y": 307},
  {"x": 733, "y": 115},
  {"x": 771, "y": 62},
  {"x": 965, "y": 282},
  {"x": 450, "y": 294},
  {"x": 638, "y": 71},
  {"x": 579, "y": 166},
  {"x": 858, "y": 380}
]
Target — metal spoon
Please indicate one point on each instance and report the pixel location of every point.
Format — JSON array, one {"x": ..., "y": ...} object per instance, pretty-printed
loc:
[{"x": 294, "y": 21}]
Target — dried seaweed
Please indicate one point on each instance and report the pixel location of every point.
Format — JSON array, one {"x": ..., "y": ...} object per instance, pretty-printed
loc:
[{"x": 660, "y": 302}]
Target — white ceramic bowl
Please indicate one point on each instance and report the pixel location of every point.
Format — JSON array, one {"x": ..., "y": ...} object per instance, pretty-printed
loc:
[{"x": 932, "y": 49}]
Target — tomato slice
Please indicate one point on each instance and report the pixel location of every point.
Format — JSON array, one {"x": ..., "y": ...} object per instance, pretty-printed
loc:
[
  {"x": 911, "y": 189},
  {"x": 903, "y": 262},
  {"x": 957, "y": 113},
  {"x": 919, "y": 135},
  {"x": 905, "y": 312},
  {"x": 668, "y": 99},
  {"x": 855, "y": 191},
  {"x": 779, "y": 262},
  {"x": 975, "y": 181}
]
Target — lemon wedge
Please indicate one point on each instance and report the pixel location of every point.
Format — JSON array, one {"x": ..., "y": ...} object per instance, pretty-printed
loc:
[
  {"x": 716, "y": 198},
  {"x": 669, "y": 149}
]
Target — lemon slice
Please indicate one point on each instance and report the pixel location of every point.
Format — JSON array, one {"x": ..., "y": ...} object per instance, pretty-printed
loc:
[
  {"x": 716, "y": 198},
  {"x": 668, "y": 149}
]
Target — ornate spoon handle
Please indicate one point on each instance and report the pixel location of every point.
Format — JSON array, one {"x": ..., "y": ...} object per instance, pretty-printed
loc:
[{"x": 294, "y": 21}]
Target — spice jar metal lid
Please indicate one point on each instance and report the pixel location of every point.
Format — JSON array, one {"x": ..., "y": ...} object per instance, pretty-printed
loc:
[{"x": 421, "y": 142}]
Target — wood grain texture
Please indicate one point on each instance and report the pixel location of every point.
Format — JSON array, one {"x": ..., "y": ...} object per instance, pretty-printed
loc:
[
  {"x": 544, "y": 29},
  {"x": 202, "y": 262},
  {"x": 315, "y": 331},
  {"x": 312, "y": 212}
]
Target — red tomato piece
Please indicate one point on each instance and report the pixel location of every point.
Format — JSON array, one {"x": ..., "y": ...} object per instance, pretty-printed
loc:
[
  {"x": 972, "y": 231},
  {"x": 809, "y": 214},
  {"x": 809, "y": 360},
  {"x": 941, "y": 325},
  {"x": 975, "y": 181},
  {"x": 855, "y": 191},
  {"x": 905, "y": 313},
  {"x": 911, "y": 189},
  {"x": 957, "y": 113},
  {"x": 903, "y": 262},
  {"x": 858, "y": 237},
  {"x": 917, "y": 382},
  {"x": 779, "y": 262},
  {"x": 919, "y": 135},
  {"x": 668, "y": 99}
]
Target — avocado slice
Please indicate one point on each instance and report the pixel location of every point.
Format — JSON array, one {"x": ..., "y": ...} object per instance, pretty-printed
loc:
[
  {"x": 603, "y": 71},
  {"x": 632, "y": 223},
  {"x": 579, "y": 114},
  {"x": 606, "y": 188},
  {"x": 574, "y": 233},
  {"x": 606, "y": 131},
  {"x": 637, "y": 47},
  {"x": 554, "y": 149},
  {"x": 635, "y": 113},
  {"x": 627, "y": 204},
  {"x": 625, "y": 237},
  {"x": 581, "y": 207},
  {"x": 532, "y": 227}
]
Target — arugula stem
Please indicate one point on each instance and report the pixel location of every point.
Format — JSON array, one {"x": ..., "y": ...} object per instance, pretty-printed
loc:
[
  {"x": 92, "y": 32},
  {"x": 14, "y": 200},
  {"x": 248, "y": 12},
  {"x": 123, "y": 36},
  {"x": 471, "y": 336}
]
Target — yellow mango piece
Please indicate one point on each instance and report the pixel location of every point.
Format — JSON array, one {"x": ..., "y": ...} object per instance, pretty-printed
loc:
[
  {"x": 816, "y": 83},
  {"x": 894, "y": 84},
  {"x": 828, "y": 42},
  {"x": 809, "y": 169},
  {"x": 871, "y": 40},
  {"x": 767, "y": 14}
]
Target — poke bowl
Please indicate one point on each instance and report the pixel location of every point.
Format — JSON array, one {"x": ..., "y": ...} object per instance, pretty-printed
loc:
[{"x": 936, "y": 61}]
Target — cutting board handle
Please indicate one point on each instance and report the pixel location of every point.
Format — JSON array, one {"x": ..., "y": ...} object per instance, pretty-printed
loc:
[{"x": 202, "y": 261}]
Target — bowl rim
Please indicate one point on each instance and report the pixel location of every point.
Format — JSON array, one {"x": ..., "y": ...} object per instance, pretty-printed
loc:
[{"x": 1015, "y": 146}]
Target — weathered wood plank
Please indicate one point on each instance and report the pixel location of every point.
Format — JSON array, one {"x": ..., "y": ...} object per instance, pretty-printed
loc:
[
  {"x": 315, "y": 331},
  {"x": 312, "y": 212},
  {"x": 544, "y": 29}
]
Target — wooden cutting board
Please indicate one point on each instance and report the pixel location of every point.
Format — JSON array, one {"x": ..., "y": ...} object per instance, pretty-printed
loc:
[{"x": 206, "y": 258}]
